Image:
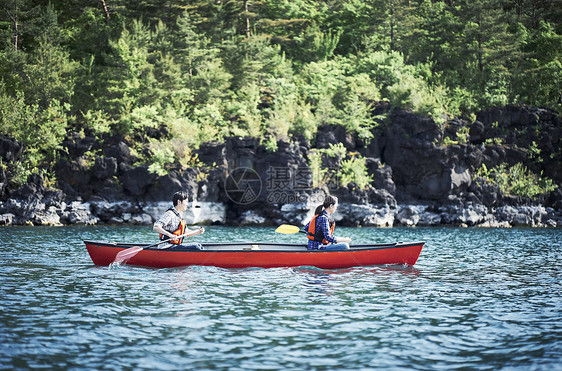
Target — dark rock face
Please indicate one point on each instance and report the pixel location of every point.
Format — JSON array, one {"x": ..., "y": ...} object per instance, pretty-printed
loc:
[
  {"x": 213, "y": 154},
  {"x": 477, "y": 132},
  {"x": 409, "y": 148},
  {"x": 421, "y": 168},
  {"x": 330, "y": 134},
  {"x": 382, "y": 175},
  {"x": 3, "y": 182},
  {"x": 137, "y": 180},
  {"x": 10, "y": 150},
  {"x": 282, "y": 171},
  {"x": 29, "y": 191},
  {"x": 423, "y": 173},
  {"x": 104, "y": 167},
  {"x": 121, "y": 152},
  {"x": 74, "y": 176},
  {"x": 526, "y": 127},
  {"x": 165, "y": 186},
  {"x": 78, "y": 145}
]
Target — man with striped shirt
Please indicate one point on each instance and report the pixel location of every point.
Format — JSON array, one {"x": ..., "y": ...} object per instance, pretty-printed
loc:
[{"x": 171, "y": 225}]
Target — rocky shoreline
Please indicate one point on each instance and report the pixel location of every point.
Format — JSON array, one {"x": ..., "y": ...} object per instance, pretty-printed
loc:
[
  {"x": 420, "y": 175},
  {"x": 17, "y": 212}
]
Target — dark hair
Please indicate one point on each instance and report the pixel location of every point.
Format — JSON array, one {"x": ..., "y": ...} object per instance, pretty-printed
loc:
[
  {"x": 179, "y": 196},
  {"x": 328, "y": 201}
]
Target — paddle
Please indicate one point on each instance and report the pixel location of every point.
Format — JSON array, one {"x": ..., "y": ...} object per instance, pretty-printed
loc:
[
  {"x": 132, "y": 251},
  {"x": 288, "y": 229}
]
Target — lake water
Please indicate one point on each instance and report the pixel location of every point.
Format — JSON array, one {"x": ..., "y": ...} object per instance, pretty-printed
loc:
[{"x": 483, "y": 299}]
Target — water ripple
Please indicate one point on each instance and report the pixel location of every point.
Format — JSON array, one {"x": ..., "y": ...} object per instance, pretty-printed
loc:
[{"x": 477, "y": 299}]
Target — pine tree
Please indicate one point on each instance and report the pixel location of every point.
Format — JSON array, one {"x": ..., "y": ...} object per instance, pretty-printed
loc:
[
  {"x": 434, "y": 37},
  {"x": 538, "y": 75},
  {"x": 17, "y": 22},
  {"x": 391, "y": 21},
  {"x": 129, "y": 90},
  {"x": 486, "y": 48}
]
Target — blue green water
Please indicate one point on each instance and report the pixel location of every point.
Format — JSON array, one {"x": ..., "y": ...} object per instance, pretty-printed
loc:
[{"x": 483, "y": 299}]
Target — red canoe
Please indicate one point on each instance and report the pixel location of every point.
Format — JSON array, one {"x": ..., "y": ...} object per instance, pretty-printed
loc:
[{"x": 265, "y": 255}]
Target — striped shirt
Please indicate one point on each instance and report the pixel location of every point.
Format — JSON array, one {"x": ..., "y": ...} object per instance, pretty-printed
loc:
[
  {"x": 321, "y": 222},
  {"x": 169, "y": 221}
]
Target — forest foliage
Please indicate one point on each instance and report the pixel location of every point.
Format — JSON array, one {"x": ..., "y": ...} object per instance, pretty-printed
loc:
[{"x": 170, "y": 75}]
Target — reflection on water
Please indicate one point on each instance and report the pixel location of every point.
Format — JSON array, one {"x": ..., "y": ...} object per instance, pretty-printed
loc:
[
  {"x": 476, "y": 299},
  {"x": 320, "y": 280}
]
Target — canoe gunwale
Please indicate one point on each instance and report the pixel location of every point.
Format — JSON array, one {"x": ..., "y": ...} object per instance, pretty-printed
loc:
[
  {"x": 262, "y": 247},
  {"x": 264, "y": 255}
]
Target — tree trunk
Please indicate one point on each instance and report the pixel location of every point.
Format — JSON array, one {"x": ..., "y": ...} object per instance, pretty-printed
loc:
[
  {"x": 14, "y": 18},
  {"x": 480, "y": 50},
  {"x": 247, "y": 18},
  {"x": 106, "y": 11},
  {"x": 392, "y": 27},
  {"x": 16, "y": 34}
]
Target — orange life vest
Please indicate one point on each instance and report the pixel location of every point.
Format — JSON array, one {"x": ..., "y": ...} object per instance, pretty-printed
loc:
[
  {"x": 177, "y": 232},
  {"x": 316, "y": 234}
]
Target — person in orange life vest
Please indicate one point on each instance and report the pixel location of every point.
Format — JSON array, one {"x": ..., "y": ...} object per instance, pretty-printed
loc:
[
  {"x": 320, "y": 229},
  {"x": 171, "y": 225}
]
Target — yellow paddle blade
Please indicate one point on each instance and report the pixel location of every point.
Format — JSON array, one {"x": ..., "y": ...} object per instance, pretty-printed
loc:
[{"x": 287, "y": 229}]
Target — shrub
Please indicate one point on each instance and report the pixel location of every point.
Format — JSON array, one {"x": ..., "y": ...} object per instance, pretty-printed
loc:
[
  {"x": 406, "y": 86},
  {"x": 162, "y": 156},
  {"x": 339, "y": 95},
  {"x": 516, "y": 180},
  {"x": 350, "y": 170},
  {"x": 40, "y": 131},
  {"x": 353, "y": 170}
]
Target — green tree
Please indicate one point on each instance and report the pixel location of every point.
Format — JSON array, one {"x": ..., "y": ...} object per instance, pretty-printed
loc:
[
  {"x": 434, "y": 38},
  {"x": 538, "y": 76},
  {"x": 49, "y": 74},
  {"x": 315, "y": 45},
  {"x": 351, "y": 18},
  {"x": 41, "y": 131},
  {"x": 17, "y": 23},
  {"x": 45, "y": 72},
  {"x": 532, "y": 12},
  {"x": 203, "y": 69},
  {"x": 258, "y": 59},
  {"x": 390, "y": 23},
  {"x": 130, "y": 94},
  {"x": 339, "y": 94}
]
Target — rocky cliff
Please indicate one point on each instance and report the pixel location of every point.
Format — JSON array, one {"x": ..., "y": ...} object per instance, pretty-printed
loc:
[{"x": 420, "y": 173}]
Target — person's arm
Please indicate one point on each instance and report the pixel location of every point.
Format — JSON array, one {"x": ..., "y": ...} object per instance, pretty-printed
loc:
[
  {"x": 305, "y": 228},
  {"x": 158, "y": 226},
  {"x": 193, "y": 232},
  {"x": 343, "y": 239},
  {"x": 329, "y": 237},
  {"x": 158, "y": 229},
  {"x": 188, "y": 233},
  {"x": 325, "y": 225}
]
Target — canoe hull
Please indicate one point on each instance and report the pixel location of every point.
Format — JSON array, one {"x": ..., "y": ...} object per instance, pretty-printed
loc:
[{"x": 261, "y": 255}]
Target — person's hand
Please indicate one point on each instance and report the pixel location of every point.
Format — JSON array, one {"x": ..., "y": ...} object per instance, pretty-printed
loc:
[{"x": 201, "y": 230}]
